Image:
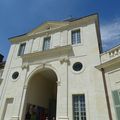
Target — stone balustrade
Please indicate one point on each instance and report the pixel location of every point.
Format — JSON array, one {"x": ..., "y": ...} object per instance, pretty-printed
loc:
[{"x": 110, "y": 54}]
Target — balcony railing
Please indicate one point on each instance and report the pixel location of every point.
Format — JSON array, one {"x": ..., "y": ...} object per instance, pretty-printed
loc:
[{"x": 111, "y": 54}]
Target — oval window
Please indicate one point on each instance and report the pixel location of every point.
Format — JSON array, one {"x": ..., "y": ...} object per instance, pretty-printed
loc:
[
  {"x": 77, "y": 66},
  {"x": 15, "y": 75}
]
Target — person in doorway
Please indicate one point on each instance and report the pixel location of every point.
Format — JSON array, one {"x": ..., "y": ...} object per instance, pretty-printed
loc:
[
  {"x": 28, "y": 116},
  {"x": 33, "y": 114}
]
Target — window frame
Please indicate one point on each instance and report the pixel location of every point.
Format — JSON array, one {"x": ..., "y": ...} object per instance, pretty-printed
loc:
[
  {"x": 45, "y": 39},
  {"x": 79, "y": 107},
  {"x": 75, "y": 40},
  {"x": 21, "y": 51}
]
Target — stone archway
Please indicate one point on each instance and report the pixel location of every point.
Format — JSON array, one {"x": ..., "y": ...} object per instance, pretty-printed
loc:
[{"x": 41, "y": 95}]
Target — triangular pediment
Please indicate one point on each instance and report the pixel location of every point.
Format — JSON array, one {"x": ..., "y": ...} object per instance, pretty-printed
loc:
[{"x": 48, "y": 26}]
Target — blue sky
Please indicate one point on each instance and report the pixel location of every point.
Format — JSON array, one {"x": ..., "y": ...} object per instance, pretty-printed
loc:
[{"x": 21, "y": 16}]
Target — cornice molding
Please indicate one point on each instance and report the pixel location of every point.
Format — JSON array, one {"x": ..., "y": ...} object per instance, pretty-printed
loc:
[{"x": 58, "y": 51}]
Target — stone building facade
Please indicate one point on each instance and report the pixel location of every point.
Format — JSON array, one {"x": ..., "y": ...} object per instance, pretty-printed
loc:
[
  {"x": 2, "y": 64},
  {"x": 59, "y": 71}
]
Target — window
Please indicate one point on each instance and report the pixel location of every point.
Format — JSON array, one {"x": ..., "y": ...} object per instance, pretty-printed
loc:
[
  {"x": 15, "y": 75},
  {"x": 77, "y": 66},
  {"x": 75, "y": 37},
  {"x": 116, "y": 98},
  {"x": 79, "y": 110},
  {"x": 46, "y": 44},
  {"x": 21, "y": 49}
]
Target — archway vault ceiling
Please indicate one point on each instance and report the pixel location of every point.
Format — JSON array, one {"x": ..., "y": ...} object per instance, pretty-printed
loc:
[{"x": 47, "y": 75}]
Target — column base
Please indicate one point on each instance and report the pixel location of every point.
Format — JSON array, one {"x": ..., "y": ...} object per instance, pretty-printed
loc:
[
  {"x": 15, "y": 118},
  {"x": 62, "y": 118}
]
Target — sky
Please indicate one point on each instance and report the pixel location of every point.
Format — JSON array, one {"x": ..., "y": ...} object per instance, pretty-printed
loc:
[{"x": 20, "y": 16}]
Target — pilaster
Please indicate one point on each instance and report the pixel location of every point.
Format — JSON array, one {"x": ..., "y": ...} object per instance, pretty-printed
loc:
[{"x": 62, "y": 91}]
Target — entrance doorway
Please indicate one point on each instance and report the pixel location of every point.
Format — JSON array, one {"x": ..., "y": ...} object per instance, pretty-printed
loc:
[{"x": 41, "y": 96}]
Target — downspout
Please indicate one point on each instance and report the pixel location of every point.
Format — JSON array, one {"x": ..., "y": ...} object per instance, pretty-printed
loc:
[{"x": 106, "y": 94}]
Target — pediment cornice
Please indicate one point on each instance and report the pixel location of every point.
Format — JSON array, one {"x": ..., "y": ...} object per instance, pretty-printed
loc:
[{"x": 53, "y": 27}]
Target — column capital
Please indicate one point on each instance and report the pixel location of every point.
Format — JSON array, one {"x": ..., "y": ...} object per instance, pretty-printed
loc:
[
  {"x": 58, "y": 83},
  {"x": 25, "y": 87},
  {"x": 65, "y": 60},
  {"x": 25, "y": 66}
]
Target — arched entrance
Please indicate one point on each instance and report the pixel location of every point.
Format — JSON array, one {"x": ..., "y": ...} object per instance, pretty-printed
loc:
[{"x": 41, "y": 96}]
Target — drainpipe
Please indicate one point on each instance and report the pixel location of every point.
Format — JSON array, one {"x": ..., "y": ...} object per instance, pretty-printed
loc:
[{"x": 106, "y": 94}]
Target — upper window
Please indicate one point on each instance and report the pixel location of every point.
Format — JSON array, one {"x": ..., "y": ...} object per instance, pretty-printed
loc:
[
  {"x": 21, "y": 49},
  {"x": 46, "y": 44},
  {"x": 75, "y": 37}
]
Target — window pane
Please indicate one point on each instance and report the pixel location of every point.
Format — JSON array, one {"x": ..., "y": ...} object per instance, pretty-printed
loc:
[
  {"x": 75, "y": 36},
  {"x": 118, "y": 112},
  {"x": 116, "y": 97},
  {"x": 46, "y": 44},
  {"x": 21, "y": 49}
]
